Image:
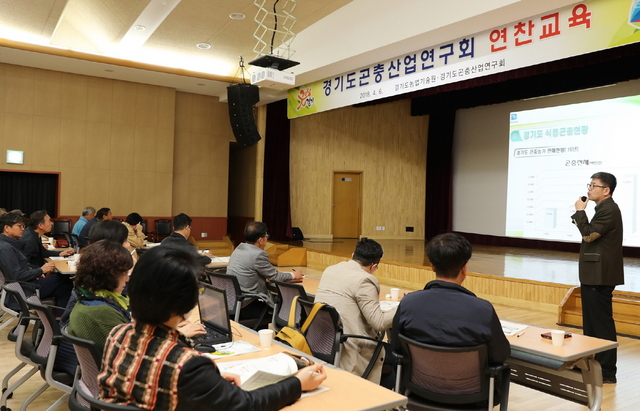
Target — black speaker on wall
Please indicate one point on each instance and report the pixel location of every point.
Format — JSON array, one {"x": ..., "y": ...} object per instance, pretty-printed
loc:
[{"x": 241, "y": 98}]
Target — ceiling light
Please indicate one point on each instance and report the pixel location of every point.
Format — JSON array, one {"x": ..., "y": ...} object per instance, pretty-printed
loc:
[
  {"x": 237, "y": 16},
  {"x": 139, "y": 27},
  {"x": 203, "y": 46}
]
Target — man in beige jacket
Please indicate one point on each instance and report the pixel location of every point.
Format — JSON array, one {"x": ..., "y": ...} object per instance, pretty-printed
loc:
[{"x": 354, "y": 291}]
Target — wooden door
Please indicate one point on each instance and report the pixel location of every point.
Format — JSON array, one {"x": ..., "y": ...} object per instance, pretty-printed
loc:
[{"x": 346, "y": 204}]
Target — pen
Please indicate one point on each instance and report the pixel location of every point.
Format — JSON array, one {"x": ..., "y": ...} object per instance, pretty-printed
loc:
[{"x": 520, "y": 333}]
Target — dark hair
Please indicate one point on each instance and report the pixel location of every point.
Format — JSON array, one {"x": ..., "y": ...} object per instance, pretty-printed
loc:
[
  {"x": 448, "y": 253},
  {"x": 134, "y": 219},
  {"x": 163, "y": 283},
  {"x": 254, "y": 230},
  {"x": 608, "y": 179},
  {"x": 102, "y": 213},
  {"x": 367, "y": 252},
  {"x": 181, "y": 221},
  {"x": 36, "y": 218},
  {"x": 10, "y": 219},
  {"x": 108, "y": 230},
  {"x": 101, "y": 266}
]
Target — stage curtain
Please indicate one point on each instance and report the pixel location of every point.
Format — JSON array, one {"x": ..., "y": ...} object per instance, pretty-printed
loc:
[
  {"x": 29, "y": 192},
  {"x": 438, "y": 210},
  {"x": 276, "y": 203}
]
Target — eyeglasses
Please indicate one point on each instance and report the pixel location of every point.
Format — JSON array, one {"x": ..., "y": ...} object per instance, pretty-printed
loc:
[
  {"x": 19, "y": 225},
  {"x": 592, "y": 186},
  {"x": 266, "y": 236}
]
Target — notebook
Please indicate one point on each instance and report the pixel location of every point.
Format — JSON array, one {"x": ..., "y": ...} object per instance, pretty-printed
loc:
[{"x": 212, "y": 306}]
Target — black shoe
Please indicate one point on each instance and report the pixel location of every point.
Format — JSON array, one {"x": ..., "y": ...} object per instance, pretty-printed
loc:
[{"x": 609, "y": 380}]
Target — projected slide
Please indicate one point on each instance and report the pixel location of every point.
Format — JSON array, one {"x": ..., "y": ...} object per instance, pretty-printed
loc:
[{"x": 552, "y": 154}]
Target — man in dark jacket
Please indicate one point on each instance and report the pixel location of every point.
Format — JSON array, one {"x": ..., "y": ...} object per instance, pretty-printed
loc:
[
  {"x": 180, "y": 238},
  {"x": 39, "y": 224},
  {"x": 15, "y": 266},
  {"x": 447, "y": 314},
  {"x": 600, "y": 266}
]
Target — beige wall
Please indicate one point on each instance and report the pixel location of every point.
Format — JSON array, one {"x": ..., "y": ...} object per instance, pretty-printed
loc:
[
  {"x": 385, "y": 143},
  {"x": 117, "y": 144},
  {"x": 201, "y": 156}
]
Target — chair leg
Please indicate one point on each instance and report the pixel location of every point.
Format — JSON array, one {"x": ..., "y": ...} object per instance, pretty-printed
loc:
[
  {"x": 33, "y": 396},
  {"x": 7, "y": 393},
  {"x": 62, "y": 400},
  {"x": 491, "y": 392},
  {"x": 6, "y": 319},
  {"x": 398, "y": 375},
  {"x": 238, "y": 308}
]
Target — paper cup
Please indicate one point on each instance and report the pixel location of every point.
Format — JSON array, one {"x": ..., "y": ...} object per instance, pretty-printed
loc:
[
  {"x": 266, "y": 336},
  {"x": 395, "y": 293},
  {"x": 72, "y": 265},
  {"x": 76, "y": 257},
  {"x": 557, "y": 337}
]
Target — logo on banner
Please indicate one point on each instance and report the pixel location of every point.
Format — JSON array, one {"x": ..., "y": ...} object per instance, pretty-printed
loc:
[{"x": 304, "y": 98}]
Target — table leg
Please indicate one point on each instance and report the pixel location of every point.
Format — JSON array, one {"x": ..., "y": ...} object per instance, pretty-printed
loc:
[{"x": 592, "y": 377}]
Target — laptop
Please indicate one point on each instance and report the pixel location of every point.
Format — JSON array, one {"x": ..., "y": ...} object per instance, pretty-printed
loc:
[{"x": 214, "y": 315}]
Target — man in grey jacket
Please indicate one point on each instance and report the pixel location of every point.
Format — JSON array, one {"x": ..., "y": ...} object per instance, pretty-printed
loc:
[{"x": 250, "y": 263}]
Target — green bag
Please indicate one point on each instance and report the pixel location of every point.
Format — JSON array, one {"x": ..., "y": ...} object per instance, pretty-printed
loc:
[{"x": 293, "y": 336}]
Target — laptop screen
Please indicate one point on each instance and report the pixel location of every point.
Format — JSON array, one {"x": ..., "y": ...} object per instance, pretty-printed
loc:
[{"x": 213, "y": 308}]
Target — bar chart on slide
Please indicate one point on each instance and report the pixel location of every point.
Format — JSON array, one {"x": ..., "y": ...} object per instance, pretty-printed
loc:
[{"x": 552, "y": 154}]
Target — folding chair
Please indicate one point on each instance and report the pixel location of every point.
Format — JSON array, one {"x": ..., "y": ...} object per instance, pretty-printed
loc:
[
  {"x": 90, "y": 359},
  {"x": 286, "y": 293},
  {"x": 24, "y": 345},
  {"x": 44, "y": 354},
  {"x": 439, "y": 378},
  {"x": 325, "y": 336},
  {"x": 219, "y": 278}
]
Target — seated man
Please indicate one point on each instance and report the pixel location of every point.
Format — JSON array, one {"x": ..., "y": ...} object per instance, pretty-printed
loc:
[
  {"x": 250, "y": 263},
  {"x": 87, "y": 215},
  {"x": 354, "y": 291},
  {"x": 445, "y": 313},
  {"x": 15, "y": 266},
  {"x": 39, "y": 224},
  {"x": 163, "y": 289},
  {"x": 180, "y": 238},
  {"x": 104, "y": 214}
]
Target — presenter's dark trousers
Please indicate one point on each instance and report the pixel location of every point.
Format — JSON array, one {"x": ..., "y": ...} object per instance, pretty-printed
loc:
[{"x": 597, "y": 321}]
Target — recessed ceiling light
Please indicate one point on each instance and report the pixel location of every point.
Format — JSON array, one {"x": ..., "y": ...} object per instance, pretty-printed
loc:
[
  {"x": 140, "y": 27},
  {"x": 203, "y": 46},
  {"x": 237, "y": 16}
]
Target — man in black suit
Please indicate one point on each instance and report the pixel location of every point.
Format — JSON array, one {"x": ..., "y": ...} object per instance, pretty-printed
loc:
[{"x": 600, "y": 265}]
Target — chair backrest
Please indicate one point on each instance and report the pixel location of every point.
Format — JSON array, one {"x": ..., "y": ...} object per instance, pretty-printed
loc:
[
  {"x": 60, "y": 226},
  {"x": 76, "y": 242},
  {"x": 229, "y": 283},
  {"x": 51, "y": 333},
  {"x": 143, "y": 223},
  {"x": 23, "y": 349},
  {"x": 89, "y": 358},
  {"x": 286, "y": 293},
  {"x": 449, "y": 375},
  {"x": 324, "y": 332},
  {"x": 163, "y": 227}
]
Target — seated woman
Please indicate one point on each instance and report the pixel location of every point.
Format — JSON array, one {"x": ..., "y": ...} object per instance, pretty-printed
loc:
[
  {"x": 163, "y": 289},
  {"x": 133, "y": 223},
  {"x": 102, "y": 274}
]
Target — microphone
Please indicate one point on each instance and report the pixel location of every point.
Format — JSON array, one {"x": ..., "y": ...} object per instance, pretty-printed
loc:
[{"x": 584, "y": 198}]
